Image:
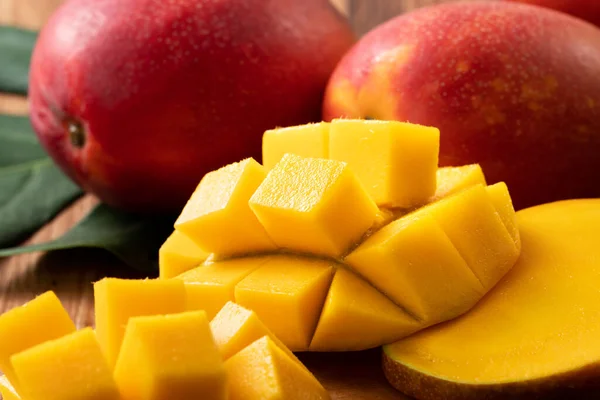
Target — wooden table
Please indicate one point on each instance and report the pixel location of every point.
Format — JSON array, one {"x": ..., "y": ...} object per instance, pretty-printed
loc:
[{"x": 70, "y": 273}]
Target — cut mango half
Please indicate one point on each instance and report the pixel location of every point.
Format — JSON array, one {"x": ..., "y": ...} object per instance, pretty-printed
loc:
[{"x": 350, "y": 237}]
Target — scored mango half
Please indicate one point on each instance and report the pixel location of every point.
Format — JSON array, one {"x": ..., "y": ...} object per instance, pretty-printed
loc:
[{"x": 349, "y": 237}]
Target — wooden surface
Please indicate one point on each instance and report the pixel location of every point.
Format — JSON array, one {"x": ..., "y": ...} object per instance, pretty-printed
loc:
[{"x": 351, "y": 376}]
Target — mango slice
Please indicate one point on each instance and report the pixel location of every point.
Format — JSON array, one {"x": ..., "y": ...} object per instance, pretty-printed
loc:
[
  {"x": 7, "y": 391},
  {"x": 452, "y": 180},
  {"x": 170, "y": 357},
  {"x": 217, "y": 216},
  {"x": 36, "y": 322},
  {"x": 395, "y": 161},
  {"x": 210, "y": 287},
  {"x": 357, "y": 316},
  {"x": 287, "y": 293},
  {"x": 310, "y": 140},
  {"x": 534, "y": 335},
  {"x": 313, "y": 205},
  {"x": 264, "y": 371},
  {"x": 178, "y": 254},
  {"x": 71, "y": 367},
  {"x": 116, "y": 300}
]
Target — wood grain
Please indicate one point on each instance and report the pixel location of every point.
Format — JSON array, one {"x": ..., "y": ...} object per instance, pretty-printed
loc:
[{"x": 348, "y": 376}]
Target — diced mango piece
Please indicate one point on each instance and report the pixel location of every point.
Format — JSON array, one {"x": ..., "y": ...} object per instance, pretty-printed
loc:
[
  {"x": 7, "y": 391},
  {"x": 210, "y": 286},
  {"x": 416, "y": 265},
  {"x": 470, "y": 220},
  {"x": 264, "y": 371},
  {"x": 217, "y": 216},
  {"x": 42, "y": 319},
  {"x": 178, "y": 254},
  {"x": 502, "y": 201},
  {"x": 236, "y": 327},
  {"x": 69, "y": 368},
  {"x": 170, "y": 357},
  {"x": 309, "y": 140},
  {"x": 396, "y": 161},
  {"x": 116, "y": 300},
  {"x": 451, "y": 180},
  {"x": 287, "y": 294},
  {"x": 356, "y": 317},
  {"x": 313, "y": 205}
]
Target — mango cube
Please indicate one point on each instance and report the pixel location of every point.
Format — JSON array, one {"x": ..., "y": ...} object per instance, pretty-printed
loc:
[
  {"x": 415, "y": 264},
  {"x": 309, "y": 140},
  {"x": 116, "y": 300},
  {"x": 395, "y": 161},
  {"x": 170, "y": 357},
  {"x": 69, "y": 368},
  {"x": 287, "y": 294},
  {"x": 236, "y": 327},
  {"x": 178, "y": 254},
  {"x": 356, "y": 316},
  {"x": 313, "y": 205},
  {"x": 451, "y": 180},
  {"x": 211, "y": 286},
  {"x": 264, "y": 371},
  {"x": 217, "y": 216},
  {"x": 500, "y": 197},
  {"x": 38, "y": 321},
  {"x": 7, "y": 391}
]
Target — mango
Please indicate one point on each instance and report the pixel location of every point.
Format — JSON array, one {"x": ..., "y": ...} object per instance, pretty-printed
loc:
[
  {"x": 72, "y": 367},
  {"x": 535, "y": 335},
  {"x": 347, "y": 273},
  {"x": 117, "y": 300},
  {"x": 41, "y": 319},
  {"x": 168, "y": 357},
  {"x": 7, "y": 390},
  {"x": 264, "y": 371},
  {"x": 179, "y": 254}
]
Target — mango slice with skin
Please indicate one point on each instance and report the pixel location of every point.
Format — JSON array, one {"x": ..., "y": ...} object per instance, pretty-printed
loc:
[
  {"x": 264, "y": 371},
  {"x": 20, "y": 328},
  {"x": 117, "y": 300},
  {"x": 71, "y": 367},
  {"x": 209, "y": 287},
  {"x": 178, "y": 254},
  {"x": 7, "y": 390},
  {"x": 309, "y": 140},
  {"x": 534, "y": 335},
  {"x": 166, "y": 357},
  {"x": 217, "y": 216}
]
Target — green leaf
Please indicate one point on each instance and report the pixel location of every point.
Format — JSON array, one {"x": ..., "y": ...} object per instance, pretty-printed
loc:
[
  {"x": 16, "y": 47},
  {"x": 134, "y": 239},
  {"x": 32, "y": 189}
]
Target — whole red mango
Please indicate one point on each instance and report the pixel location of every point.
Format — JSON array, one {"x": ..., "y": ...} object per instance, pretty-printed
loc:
[
  {"x": 513, "y": 87},
  {"x": 588, "y": 10},
  {"x": 137, "y": 99}
]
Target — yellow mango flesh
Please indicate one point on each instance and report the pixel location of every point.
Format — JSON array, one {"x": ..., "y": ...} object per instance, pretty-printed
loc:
[
  {"x": 209, "y": 287},
  {"x": 287, "y": 293},
  {"x": 264, "y": 371},
  {"x": 116, "y": 300},
  {"x": 38, "y": 321},
  {"x": 7, "y": 390},
  {"x": 451, "y": 180},
  {"x": 170, "y": 357},
  {"x": 217, "y": 216},
  {"x": 310, "y": 140},
  {"x": 178, "y": 254},
  {"x": 356, "y": 316},
  {"x": 69, "y": 368},
  {"x": 413, "y": 261},
  {"x": 313, "y": 205},
  {"x": 539, "y": 326},
  {"x": 395, "y": 161},
  {"x": 500, "y": 197},
  {"x": 236, "y": 327}
]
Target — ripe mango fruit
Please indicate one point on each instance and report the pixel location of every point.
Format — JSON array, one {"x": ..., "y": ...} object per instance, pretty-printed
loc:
[{"x": 357, "y": 241}]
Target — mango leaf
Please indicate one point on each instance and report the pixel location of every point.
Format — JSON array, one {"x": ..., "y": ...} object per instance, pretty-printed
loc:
[
  {"x": 134, "y": 239},
  {"x": 32, "y": 189},
  {"x": 16, "y": 47}
]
